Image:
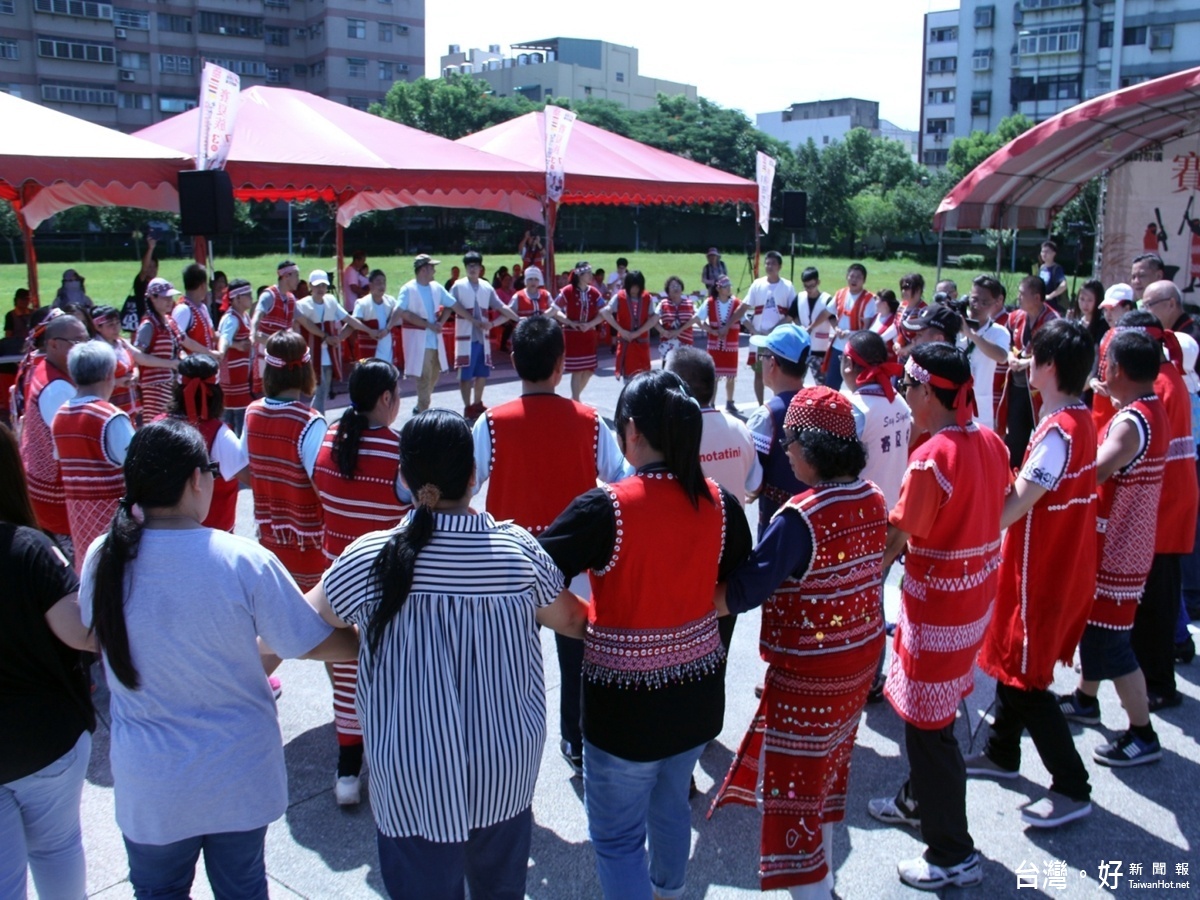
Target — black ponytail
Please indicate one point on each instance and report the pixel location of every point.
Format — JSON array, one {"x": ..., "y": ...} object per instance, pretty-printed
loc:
[
  {"x": 162, "y": 457},
  {"x": 369, "y": 381},
  {"x": 670, "y": 420},
  {"x": 437, "y": 456}
]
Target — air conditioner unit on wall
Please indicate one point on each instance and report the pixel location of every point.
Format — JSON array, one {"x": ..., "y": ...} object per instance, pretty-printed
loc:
[
  {"x": 127, "y": 75},
  {"x": 401, "y": 67},
  {"x": 121, "y": 34}
]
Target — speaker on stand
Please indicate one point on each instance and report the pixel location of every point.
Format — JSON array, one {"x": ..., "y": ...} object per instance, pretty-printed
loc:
[{"x": 205, "y": 203}]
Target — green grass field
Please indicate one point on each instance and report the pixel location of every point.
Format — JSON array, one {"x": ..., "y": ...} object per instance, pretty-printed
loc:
[{"x": 109, "y": 282}]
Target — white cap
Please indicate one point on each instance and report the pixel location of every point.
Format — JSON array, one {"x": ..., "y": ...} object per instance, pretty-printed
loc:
[
  {"x": 535, "y": 273},
  {"x": 1191, "y": 350},
  {"x": 1117, "y": 293},
  {"x": 318, "y": 276}
]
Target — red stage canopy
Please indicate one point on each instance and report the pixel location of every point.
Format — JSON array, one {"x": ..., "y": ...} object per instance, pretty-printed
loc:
[
  {"x": 1026, "y": 182},
  {"x": 605, "y": 168},
  {"x": 291, "y": 145}
]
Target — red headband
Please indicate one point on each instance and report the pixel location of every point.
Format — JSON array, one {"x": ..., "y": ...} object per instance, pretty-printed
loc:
[
  {"x": 881, "y": 374},
  {"x": 194, "y": 386},
  {"x": 964, "y": 397}
]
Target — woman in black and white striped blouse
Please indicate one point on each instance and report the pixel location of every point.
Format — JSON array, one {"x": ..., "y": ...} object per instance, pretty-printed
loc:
[{"x": 450, "y": 692}]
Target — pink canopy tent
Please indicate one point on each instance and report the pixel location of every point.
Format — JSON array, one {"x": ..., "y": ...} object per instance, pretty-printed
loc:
[
  {"x": 51, "y": 161},
  {"x": 291, "y": 145},
  {"x": 1027, "y": 182},
  {"x": 604, "y": 168}
]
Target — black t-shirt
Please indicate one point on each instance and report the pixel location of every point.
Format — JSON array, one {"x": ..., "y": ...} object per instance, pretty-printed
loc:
[{"x": 45, "y": 694}]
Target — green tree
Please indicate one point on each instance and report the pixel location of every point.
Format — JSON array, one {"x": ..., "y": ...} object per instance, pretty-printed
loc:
[
  {"x": 451, "y": 107},
  {"x": 968, "y": 152}
]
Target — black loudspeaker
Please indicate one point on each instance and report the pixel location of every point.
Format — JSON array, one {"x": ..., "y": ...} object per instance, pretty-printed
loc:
[
  {"x": 205, "y": 203},
  {"x": 795, "y": 209}
]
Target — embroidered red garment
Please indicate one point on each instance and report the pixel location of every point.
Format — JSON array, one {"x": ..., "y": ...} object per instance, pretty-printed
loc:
[
  {"x": 1176, "y": 531},
  {"x": 367, "y": 502},
  {"x": 580, "y": 345},
  {"x": 235, "y": 366},
  {"x": 37, "y": 453},
  {"x": 724, "y": 353},
  {"x": 631, "y": 315},
  {"x": 92, "y": 482},
  {"x": 1042, "y": 605}
]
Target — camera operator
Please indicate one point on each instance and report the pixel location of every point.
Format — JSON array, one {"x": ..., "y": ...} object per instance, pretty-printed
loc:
[{"x": 986, "y": 343}]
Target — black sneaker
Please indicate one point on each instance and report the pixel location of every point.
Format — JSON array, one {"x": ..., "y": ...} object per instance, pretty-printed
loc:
[
  {"x": 1075, "y": 711},
  {"x": 1128, "y": 750},
  {"x": 1158, "y": 702},
  {"x": 1185, "y": 651},
  {"x": 573, "y": 756}
]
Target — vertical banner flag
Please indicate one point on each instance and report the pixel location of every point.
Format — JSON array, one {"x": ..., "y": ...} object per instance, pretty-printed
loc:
[
  {"x": 558, "y": 131},
  {"x": 218, "y": 109},
  {"x": 765, "y": 170}
]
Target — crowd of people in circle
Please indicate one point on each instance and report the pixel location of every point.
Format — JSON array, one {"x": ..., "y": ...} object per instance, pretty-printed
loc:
[{"x": 976, "y": 442}]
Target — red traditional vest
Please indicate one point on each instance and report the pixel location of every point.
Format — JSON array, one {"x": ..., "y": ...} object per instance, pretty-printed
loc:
[
  {"x": 1018, "y": 320},
  {"x": 519, "y": 489},
  {"x": 235, "y": 366},
  {"x": 200, "y": 329},
  {"x": 367, "y": 345},
  {"x": 281, "y": 314},
  {"x": 835, "y": 606},
  {"x": 1125, "y": 521},
  {"x": 1176, "y": 530},
  {"x": 367, "y": 502},
  {"x": 735, "y": 330},
  {"x": 856, "y": 314},
  {"x": 949, "y": 576},
  {"x": 37, "y": 452},
  {"x": 651, "y": 620},
  {"x": 123, "y": 396},
  {"x": 580, "y": 308},
  {"x": 1000, "y": 376},
  {"x": 674, "y": 316},
  {"x": 904, "y": 312},
  {"x": 223, "y": 511},
  {"x": 92, "y": 483},
  {"x": 1042, "y": 604},
  {"x": 165, "y": 344},
  {"x": 316, "y": 345},
  {"x": 286, "y": 508},
  {"x": 633, "y": 357},
  {"x": 527, "y": 306}
]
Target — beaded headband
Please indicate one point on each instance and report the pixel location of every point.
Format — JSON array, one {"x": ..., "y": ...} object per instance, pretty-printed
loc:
[
  {"x": 964, "y": 397},
  {"x": 276, "y": 363}
]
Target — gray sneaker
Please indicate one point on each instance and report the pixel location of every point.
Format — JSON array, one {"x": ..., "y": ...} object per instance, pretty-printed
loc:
[
  {"x": 1053, "y": 810},
  {"x": 981, "y": 766},
  {"x": 890, "y": 811},
  {"x": 1128, "y": 750},
  {"x": 925, "y": 876}
]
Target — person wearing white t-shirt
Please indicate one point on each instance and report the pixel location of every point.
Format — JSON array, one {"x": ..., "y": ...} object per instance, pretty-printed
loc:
[
  {"x": 616, "y": 279},
  {"x": 881, "y": 415},
  {"x": 854, "y": 309},
  {"x": 771, "y": 297},
  {"x": 986, "y": 345},
  {"x": 377, "y": 306},
  {"x": 813, "y": 311},
  {"x": 474, "y": 298},
  {"x": 727, "y": 453},
  {"x": 323, "y": 323}
]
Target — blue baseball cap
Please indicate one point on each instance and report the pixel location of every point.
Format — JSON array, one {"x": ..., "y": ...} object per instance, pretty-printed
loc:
[{"x": 787, "y": 341}]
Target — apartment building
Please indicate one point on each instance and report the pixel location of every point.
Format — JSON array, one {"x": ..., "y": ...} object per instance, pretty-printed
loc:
[
  {"x": 130, "y": 64},
  {"x": 1039, "y": 57},
  {"x": 576, "y": 68}
]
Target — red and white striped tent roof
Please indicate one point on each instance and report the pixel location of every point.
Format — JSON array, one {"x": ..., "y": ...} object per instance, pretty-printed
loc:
[{"x": 1026, "y": 182}]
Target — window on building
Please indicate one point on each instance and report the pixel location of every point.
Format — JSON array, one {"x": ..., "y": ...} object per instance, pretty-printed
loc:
[
  {"x": 83, "y": 9},
  {"x": 178, "y": 24},
  {"x": 1050, "y": 39},
  {"x": 276, "y": 36},
  {"x": 1057, "y": 87},
  {"x": 8, "y": 8},
  {"x": 1131, "y": 80},
  {"x": 128, "y": 60},
  {"x": 300, "y": 69},
  {"x": 356, "y": 67},
  {"x": 942, "y": 64},
  {"x": 385, "y": 71},
  {"x": 985, "y": 16},
  {"x": 174, "y": 64},
  {"x": 131, "y": 18},
  {"x": 1049, "y": 4},
  {"x": 127, "y": 100},
  {"x": 824, "y": 139},
  {"x": 356, "y": 29},
  {"x": 277, "y": 4},
  {"x": 169, "y": 104},
  {"x": 242, "y": 66},
  {"x": 1162, "y": 37},
  {"x": 385, "y": 32},
  {"x": 1131, "y": 37},
  {"x": 621, "y": 76},
  {"x": 79, "y": 51},
  {"x": 981, "y": 60},
  {"x": 79, "y": 93},
  {"x": 939, "y": 126},
  {"x": 939, "y": 95},
  {"x": 9, "y": 49},
  {"x": 362, "y": 104},
  {"x": 279, "y": 75},
  {"x": 231, "y": 25},
  {"x": 318, "y": 68},
  {"x": 1106, "y": 34},
  {"x": 941, "y": 35},
  {"x": 936, "y": 157},
  {"x": 316, "y": 30},
  {"x": 981, "y": 103}
]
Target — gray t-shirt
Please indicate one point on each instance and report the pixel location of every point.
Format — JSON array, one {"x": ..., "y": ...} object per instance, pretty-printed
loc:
[{"x": 197, "y": 748}]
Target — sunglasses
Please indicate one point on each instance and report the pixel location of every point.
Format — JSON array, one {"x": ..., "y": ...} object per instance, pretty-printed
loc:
[
  {"x": 212, "y": 467},
  {"x": 788, "y": 439},
  {"x": 903, "y": 385}
]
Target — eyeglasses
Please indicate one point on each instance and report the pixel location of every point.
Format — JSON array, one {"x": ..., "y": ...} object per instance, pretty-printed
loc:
[
  {"x": 903, "y": 385},
  {"x": 788, "y": 439},
  {"x": 1146, "y": 304},
  {"x": 71, "y": 341},
  {"x": 212, "y": 467}
]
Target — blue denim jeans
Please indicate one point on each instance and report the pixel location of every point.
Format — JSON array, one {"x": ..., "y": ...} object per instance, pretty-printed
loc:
[
  {"x": 629, "y": 802},
  {"x": 493, "y": 861},
  {"x": 233, "y": 860},
  {"x": 39, "y": 827}
]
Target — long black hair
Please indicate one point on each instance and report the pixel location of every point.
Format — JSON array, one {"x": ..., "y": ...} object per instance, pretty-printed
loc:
[
  {"x": 670, "y": 420},
  {"x": 437, "y": 456},
  {"x": 162, "y": 457},
  {"x": 369, "y": 381}
]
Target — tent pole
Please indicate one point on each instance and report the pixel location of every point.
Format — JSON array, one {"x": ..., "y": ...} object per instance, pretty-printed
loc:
[
  {"x": 999, "y": 248},
  {"x": 1016, "y": 237},
  {"x": 340, "y": 245},
  {"x": 941, "y": 235},
  {"x": 551, "y": 223},
  {"x": 757, "y": 241},
  {"x": 30, "y": 258}
]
